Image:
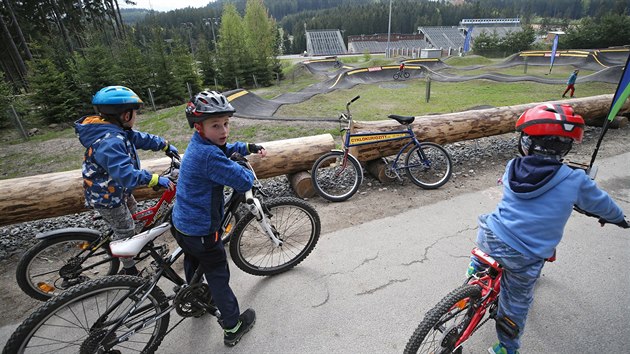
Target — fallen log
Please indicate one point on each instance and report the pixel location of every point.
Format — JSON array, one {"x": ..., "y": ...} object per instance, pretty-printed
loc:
[
  {"x": 61, "y": 193},
  {"x": 453, "y": 127}
]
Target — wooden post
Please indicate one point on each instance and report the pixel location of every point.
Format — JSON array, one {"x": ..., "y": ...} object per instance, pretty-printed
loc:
[
  {"x": 302, "y": 184},
  {"x": 428, "y": 89}
]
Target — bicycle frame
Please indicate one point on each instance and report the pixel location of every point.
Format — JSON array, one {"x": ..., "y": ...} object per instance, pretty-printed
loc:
[
  {"x": 360, "y": 139},
  {"x": 490, "y": 284}
]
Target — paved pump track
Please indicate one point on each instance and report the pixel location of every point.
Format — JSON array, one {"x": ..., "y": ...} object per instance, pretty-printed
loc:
[{"x": 607, "y": 65}]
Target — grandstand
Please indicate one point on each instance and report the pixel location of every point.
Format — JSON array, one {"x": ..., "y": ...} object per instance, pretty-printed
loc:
[
  {"x": 443, "y": 37},
  {"x": 500, "y": 26},
  {"x": 377, "y": 43},
  {"x": 325, "y": 42}
]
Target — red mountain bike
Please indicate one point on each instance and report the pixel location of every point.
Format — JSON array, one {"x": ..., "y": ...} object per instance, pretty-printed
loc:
[
  {"x": 457, "y": 316},
  {"x": 70, "y": 256}
]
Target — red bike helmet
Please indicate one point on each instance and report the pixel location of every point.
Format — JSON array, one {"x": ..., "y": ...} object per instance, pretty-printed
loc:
[{"x": 549, "y": 129}]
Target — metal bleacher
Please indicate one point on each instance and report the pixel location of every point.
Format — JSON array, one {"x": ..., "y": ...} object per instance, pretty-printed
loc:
[
  {"x": 500, "y": 26},
  {"x": 381, "y": 47},
  {"x": 325, "y": 42},
  {"x": 443, "y": 36}
]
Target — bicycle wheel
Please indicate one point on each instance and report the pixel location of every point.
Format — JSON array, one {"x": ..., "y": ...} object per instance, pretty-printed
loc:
[
  {"x": 295, "y": 222},
  {"x": 335, "y": 179},
  {"x": 406, "y": 75},
  {"x": 68, "y": 322},
  {"x": 396, "y": 76},
  {"x": 443, "y": 325},
  {"x": 50, "y": 266},
  {"x": 433, "y": 170}
]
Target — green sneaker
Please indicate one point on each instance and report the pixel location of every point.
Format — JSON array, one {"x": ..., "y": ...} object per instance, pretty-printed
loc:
[
  {"x": 498, "y": 348},
  {"x": 470, "y": 271},
  {"x": 245, "y": 322}
]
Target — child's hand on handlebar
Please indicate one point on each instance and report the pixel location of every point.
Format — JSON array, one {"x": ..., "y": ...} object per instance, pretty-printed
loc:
[
  {"x": 257, "y": 149},
  {"x": 166, "y": 183}
]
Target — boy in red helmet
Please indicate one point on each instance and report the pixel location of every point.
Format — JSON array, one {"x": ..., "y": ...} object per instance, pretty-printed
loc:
[{"x": 539, "y": 193}]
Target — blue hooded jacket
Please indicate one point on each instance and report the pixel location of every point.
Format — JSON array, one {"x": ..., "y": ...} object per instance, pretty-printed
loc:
[
  {"x": 111, "y": 167},
  {"x": 204, "y": 172},
  {"x": 538, "y": 197}
]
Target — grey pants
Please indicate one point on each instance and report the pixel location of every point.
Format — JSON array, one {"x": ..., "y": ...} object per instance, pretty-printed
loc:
[{"x": 121, "y": 221}]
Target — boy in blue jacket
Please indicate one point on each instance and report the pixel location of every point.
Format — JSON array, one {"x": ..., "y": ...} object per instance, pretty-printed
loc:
[
  {"x": 205, "y": 170},
  {"x": 539, "y": 193},
  {"x": 111, "y": 167}
]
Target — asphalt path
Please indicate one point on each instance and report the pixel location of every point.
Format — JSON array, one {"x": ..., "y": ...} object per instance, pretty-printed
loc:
[{"x": 365, "y": 288}]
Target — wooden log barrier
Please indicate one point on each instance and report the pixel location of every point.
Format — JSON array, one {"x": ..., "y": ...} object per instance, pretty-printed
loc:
[
  {"x": 452, "y": 127},
  {"x": 61, "y": 193},
  {"x": 302, "y": 184}
]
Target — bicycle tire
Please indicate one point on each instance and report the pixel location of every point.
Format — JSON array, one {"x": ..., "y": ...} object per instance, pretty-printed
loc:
[
  {"x": 53, "y": 326},
  {"x": 334, "y": 182},
  {"x": 298, "y": 226},
  {"x": 396, "y": 76},
  {"x": 58, "y": 250},
  {"x": 433, "y": 335},
  {"x": 432, "y": 173},
  {"x": 406, "y": 75}
]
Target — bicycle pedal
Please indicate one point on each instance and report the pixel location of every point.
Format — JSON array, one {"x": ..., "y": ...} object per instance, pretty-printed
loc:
[{"x": 507, "y": 326}]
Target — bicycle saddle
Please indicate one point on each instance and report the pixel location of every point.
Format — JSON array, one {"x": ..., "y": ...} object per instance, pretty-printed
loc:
[
  {"x": 130, "y": 247},
  {"x": 402, "y": 119}
]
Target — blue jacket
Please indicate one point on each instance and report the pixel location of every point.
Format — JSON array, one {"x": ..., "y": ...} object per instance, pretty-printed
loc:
[
  {"x": 572, "y": 79},
  {"x": 111, "y": 167},
  {"x": 538, "y": 198},
  {"x": 204, "y": 172}
]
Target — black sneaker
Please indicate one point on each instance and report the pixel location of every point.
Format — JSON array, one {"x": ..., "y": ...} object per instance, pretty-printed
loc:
[
  {"x": 129, "y": 271},
  {"x": 245, "y": 322}
]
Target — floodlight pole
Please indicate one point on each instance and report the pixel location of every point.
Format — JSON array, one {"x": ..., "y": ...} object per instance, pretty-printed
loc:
[{"x": 389, "y": 29}]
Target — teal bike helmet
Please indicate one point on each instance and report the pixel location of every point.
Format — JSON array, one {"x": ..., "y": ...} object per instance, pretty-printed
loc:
[{"x": 115, "y": 100}]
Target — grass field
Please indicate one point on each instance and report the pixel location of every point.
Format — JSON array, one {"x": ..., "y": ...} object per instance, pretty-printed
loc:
[{"x": 54, "y": 150}]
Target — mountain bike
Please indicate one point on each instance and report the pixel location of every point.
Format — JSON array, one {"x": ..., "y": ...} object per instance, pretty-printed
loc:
[
  {"x": 401, "y": 74},
  {"x": 337, "y": 174},
  {"x": 132, "y": 313},
  {"x": 463, "y": 311},
  {"x": 66, "y": 257}
]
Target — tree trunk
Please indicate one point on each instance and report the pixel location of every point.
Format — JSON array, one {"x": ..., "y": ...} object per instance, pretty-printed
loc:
[
  {"x": 18, "y": 29},
  {"x": 452, "y": 127},
  {"x": 61, "y": 193},
  {"x": 13, "y": 50}
]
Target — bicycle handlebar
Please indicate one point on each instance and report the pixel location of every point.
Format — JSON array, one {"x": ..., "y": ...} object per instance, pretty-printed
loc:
[{"x": 623, "y": 224}]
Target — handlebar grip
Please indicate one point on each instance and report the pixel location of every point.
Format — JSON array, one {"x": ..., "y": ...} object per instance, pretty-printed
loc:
[{"x": 354, "y": 99}]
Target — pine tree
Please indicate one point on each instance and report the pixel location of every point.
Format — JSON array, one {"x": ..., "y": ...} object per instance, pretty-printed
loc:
[
  {"x": 185, "y": 68},
  {"x": 166, "y": 87},
  {"x": 207, "y": 64},
  {"x": 232, "y": 58},
  {"x": 47, "y": 81},
  {"x": 260, "y": 40}
]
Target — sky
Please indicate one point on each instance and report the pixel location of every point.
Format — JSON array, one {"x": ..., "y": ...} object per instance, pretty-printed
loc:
[{"x": 165, "y": 5}]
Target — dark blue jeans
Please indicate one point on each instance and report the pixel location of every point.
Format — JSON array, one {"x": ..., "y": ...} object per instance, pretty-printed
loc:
[{"x": 209, "y": 253}]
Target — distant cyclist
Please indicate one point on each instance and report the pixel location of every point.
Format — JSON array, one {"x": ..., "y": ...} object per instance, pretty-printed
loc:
[{"x": 401, "y": 68}]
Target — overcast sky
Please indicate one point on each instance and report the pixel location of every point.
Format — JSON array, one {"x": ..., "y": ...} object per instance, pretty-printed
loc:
[{"x": 166, "y": 5}]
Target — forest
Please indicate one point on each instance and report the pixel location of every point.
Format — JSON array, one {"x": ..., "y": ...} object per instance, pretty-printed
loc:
[{"x": 66, "y": 50}]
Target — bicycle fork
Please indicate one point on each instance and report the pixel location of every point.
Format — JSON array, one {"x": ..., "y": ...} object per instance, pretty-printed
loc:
[{"x": 259, "y": 213}]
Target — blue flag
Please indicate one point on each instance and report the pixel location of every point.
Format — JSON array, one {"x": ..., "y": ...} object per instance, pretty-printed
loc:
[
  {"x": 467, "y": 40},
  {"x": 553, "y": 51},
  {"x": 622, "y": 93}
]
